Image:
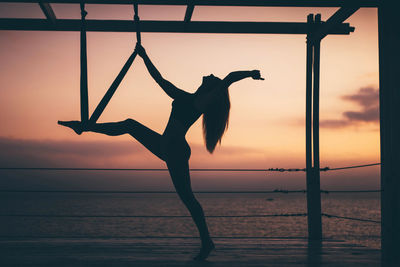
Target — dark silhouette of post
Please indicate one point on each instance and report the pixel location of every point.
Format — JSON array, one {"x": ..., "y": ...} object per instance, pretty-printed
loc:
[
  {"x": 84, "y": 79},
  {"x": 315, "y": 183},
  {"x": 312, "y": 132},
  {"x": 316, "y": 32},
  {"x": 389, "y": 96}
]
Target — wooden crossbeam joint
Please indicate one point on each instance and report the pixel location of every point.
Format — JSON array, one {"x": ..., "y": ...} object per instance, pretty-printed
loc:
[
  {"x": 189, "y": 11},
  {"x": 322, "y": 30},
  {"x": 48, "y": 12}
]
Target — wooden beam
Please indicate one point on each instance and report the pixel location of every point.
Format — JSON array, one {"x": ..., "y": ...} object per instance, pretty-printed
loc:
[
  {"x": 389, "y": 97},
  {"x": 166, "y": 26},
  {"x": 283, "y": 3},
  {"x": 48, "y": 12},
  {"x": 339, "y": 17},
  {"x": 189, "y": 12},
  {"x": 309, "y": 173},
  {"x": 315, "y": 182},
  {"x": 84, "y": 76},
  {"x": 312, "y": 133}
]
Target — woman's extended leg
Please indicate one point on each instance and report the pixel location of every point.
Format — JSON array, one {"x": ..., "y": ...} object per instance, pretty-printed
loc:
[
  {"x": 147, "y": 137},
  {"x": 179, "y": 171}
]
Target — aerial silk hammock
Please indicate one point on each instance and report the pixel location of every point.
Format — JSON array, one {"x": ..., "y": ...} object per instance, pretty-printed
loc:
[{"x": 84, "y": 79}]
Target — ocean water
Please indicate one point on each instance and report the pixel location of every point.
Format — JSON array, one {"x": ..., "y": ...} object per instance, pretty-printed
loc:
[{"x": 43, "y": 208}]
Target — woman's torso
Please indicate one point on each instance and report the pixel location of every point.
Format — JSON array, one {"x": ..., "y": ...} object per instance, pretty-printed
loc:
[{"x": 183, "y": 116}]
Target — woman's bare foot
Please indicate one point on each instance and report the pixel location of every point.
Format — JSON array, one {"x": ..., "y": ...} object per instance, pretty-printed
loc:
[
  {"x": 205, "y": 251},
  {"x": 74, "y": 125}
]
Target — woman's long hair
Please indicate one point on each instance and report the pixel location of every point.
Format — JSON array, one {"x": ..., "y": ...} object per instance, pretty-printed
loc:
[{"x": 216, "y": 120}]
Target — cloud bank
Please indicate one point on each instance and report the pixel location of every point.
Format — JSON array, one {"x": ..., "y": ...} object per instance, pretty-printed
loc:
[
  {"x": 367, "y": 99},
  {"x": 113, "y": 154}
]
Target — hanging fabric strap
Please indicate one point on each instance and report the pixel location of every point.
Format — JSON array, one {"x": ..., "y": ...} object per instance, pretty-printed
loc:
[
  {"x": 110, "y": 92},
  {"x": 84, "y": 78},
  {"x": 137, "y": 22}
]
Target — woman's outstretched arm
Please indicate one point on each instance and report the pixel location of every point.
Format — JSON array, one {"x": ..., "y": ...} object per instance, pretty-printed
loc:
[
  {"x": 240, "y": 75},
  {"x": 203, "y": 101},
  {"x": 170, "y": 89}
]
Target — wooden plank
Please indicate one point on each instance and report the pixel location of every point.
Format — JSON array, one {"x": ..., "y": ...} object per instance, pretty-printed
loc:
[
  {"x": 389, "y": 96},
  {"x": 166, "y": 26},
  {"x": 179, "y": 252},
  {"x": 282, "y": 3},
  {"x": 48, "y": 12}
]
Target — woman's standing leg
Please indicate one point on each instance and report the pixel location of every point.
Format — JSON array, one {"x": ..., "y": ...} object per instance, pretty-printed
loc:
[{"x": 179, "y": 171}]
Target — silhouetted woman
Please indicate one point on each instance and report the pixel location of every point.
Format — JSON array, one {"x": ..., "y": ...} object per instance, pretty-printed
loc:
[{"x": 210, "y": 100}]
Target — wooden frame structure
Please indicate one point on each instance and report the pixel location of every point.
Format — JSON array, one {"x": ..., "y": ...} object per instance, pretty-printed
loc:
[{"x": 315, "y": 30}]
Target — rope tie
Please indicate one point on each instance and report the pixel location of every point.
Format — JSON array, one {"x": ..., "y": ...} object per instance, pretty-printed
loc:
[{"x": 83, "y": 12}]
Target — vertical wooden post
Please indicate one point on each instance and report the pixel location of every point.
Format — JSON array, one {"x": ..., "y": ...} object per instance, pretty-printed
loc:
[
  {"x": 309, "y": 66},
  {"x": 84, "y": 79},
  {"x": 312, "y": 134},
  {"x": 389, "y": 96},
  {"x": 315, "y": 183}
]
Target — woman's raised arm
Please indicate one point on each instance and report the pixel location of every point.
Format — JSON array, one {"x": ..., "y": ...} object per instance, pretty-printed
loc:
[
  {"x": 170, "y": 89},
  {"x": 240, "y": 75},
  {"x": 203, "y": 101}
]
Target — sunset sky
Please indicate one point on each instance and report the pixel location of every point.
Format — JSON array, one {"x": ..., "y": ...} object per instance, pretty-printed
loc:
[{"x": 40, "y": 85}]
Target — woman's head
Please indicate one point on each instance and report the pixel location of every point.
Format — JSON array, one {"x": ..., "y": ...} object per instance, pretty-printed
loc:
[
  {"x": 216, "y": 119},
  {"x": 211, "y": 79},
  {"x": 208, "y": 84}
]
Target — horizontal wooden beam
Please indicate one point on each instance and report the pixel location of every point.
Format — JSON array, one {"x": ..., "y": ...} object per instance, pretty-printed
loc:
[
  {"x": 283, "y": 3},
  {"x": 336, "y": 19},
  {"x": 166, "y": 26}
]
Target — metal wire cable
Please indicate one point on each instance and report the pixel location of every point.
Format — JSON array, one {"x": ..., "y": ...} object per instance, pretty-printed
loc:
[
  {"x": 349, "y": 218},
  {"x": 174, "y": 192},
  {"x": 186, "y": 216},
  {"x": 353, "y": 167},
  {"x": 153, "y": 216},
  {"x": 147, "y": 237},
  {"x": 195, "y": 169}
]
